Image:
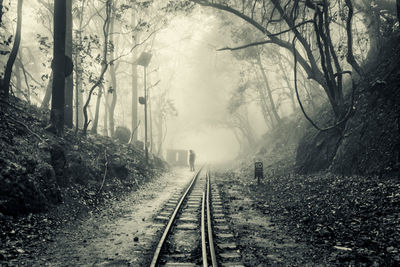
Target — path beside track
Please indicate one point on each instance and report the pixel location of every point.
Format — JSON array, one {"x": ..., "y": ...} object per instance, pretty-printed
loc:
[{"x": 106, "y": 241}]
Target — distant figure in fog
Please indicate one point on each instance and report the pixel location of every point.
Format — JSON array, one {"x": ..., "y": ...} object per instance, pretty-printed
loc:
[{"x": 192, "y": 158}]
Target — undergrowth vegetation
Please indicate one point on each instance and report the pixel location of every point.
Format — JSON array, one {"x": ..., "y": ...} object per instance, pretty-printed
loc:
[
  {"x": 68, "y": 178},
  {"x": 353, "y": 219}
]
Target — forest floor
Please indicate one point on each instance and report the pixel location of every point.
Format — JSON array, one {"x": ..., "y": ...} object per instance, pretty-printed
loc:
[
  {"x": 320, "y": 219},
  {"x": 123, "y": 232},
  {"x": 118, "y": 234},
  {"x": 47, "y": 181}
]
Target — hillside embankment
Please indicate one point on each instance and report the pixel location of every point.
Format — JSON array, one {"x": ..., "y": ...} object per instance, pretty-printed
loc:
[
  {"x": 369, "y": 141},
  {"x": 47, "y": 181},
  {"x": 338, "y": 190}
]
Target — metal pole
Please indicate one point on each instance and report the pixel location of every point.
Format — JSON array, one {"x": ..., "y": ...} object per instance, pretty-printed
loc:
[
  {"x": 145, "y": 118},
  {"x": 151, "y": 122}
]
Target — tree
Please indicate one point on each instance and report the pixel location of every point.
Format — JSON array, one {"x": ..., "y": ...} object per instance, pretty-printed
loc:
[
  {"x": 46, "y": 16},
  {"x": 300, "y": 20},
  {"x": 164, "y": 108},
  {"x": 134, "y": 112},
  {"x": 256, "y": 76},
  {"x": 1, "y": 11},
  {"x": 113, "y": 77},
  {"x": 105, "y": 118},
  {"x": 69, "y": 81},
  {"x": 269, "y": 91},
  {"x": 5, "y": 82},
  {"x": 78, "y": 70},
  {"x": 238, "y": 119},
  {"x": 104, "y": 63},
  {"x": 58, "y": 66},
  {"x": 47, "y": 96},
  {"x": 107, "y": 52},
  {"x": 96, "y": 114},
  {"x": 398, "y": 10}
]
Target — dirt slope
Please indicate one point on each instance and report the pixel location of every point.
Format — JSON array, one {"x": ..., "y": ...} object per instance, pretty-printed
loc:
[{"x": 39, "y": 171}]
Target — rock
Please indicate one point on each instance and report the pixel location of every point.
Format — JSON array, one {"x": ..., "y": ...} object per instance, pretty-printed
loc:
[
  {"x": 122, "y": 134},
  {"x": 76, "y": 169},
  {"x": 48, "y": 183},
  {"x": 316, "y": 150},
  {"x": 117, "y": 167},
  {"x": 138, "y": 144},
  {"x": 159, "y": 163},
  {"x": 58, "y": 162},
  {"x": 370, "y": 143}
]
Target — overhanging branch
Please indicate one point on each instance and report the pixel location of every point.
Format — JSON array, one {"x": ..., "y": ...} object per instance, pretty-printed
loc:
[
  {"x": 346, "y": 116},
  {"x": 245, "y": 46},
  {"x": 270, "y": 35}
]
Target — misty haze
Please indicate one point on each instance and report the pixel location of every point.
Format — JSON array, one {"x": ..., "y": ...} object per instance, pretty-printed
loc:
[{"x": 199, "y": 133}]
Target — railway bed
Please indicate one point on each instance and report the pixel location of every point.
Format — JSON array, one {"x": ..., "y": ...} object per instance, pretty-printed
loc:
[{"x": 196, "y": 231}]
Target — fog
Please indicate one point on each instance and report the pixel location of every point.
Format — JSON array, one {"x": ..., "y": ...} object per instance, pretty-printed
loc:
[{"x": 200, "y": 81}]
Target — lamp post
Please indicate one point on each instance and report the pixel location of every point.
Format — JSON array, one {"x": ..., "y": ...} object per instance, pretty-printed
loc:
[{"x": 144, "y": 60}]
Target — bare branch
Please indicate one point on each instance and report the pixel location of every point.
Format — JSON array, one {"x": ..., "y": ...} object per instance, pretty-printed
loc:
[
  {"x": 301, "y": 104},
  {"x": 268, "y": 35},
  {"x": 245, "y": 46},
  {"x": 26, "y": 127},
  {"x": 350, "y": 57}
]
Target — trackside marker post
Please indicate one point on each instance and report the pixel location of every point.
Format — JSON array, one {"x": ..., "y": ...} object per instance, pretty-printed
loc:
[{"x": 258, "y": 171}]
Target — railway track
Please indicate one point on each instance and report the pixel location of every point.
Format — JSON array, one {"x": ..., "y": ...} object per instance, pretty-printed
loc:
[{"x": 196, "y": 231}]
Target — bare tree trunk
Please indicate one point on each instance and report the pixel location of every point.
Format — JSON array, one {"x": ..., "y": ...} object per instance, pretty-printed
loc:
[
  {"x": 69, "y": 81},
  {"x": 135, "y": 40},
  {"x": 248, "y": 130},
  {"x": 160, "y": 134},
  {"x": 371, "y": 22},
  {"x": 28, "y": 88},
  {"x": 5, "y": 83},
  {"x": 80, "y": 106},
  {"x": 398, "y": 10},
  {"x": 151, "y": 121},
  {"x": 267, "y": 86},
  {"x": 287, "y": 81},
  {"x": 267, "y": 115},
  {"x": 78, "y": 99},
  {"x": 113, "y": 81},
  {"x": 18, "y": 85},
  {"x": 1, "y": 11},
  {"x": 105, "y": 122},
  {"x": 263, "y": 107},
  {"x": 58, "y": 66},
  {"x": 96, "y": 114},
  {"x": 106, "y": 32},
  {"x": 239, "y": 139},
  {"x": 78, "y": 73},
  {"x": 47, "y": 96}
]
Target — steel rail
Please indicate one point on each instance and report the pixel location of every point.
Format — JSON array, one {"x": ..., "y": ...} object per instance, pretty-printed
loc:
[
  {"x": 167, "y": 229},
  {"x": 209, "y": 225},
  {"x": 203, "y": 231}
]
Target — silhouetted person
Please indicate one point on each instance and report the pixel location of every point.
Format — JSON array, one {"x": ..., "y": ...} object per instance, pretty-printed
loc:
[{"x": 192, "y": 158}]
